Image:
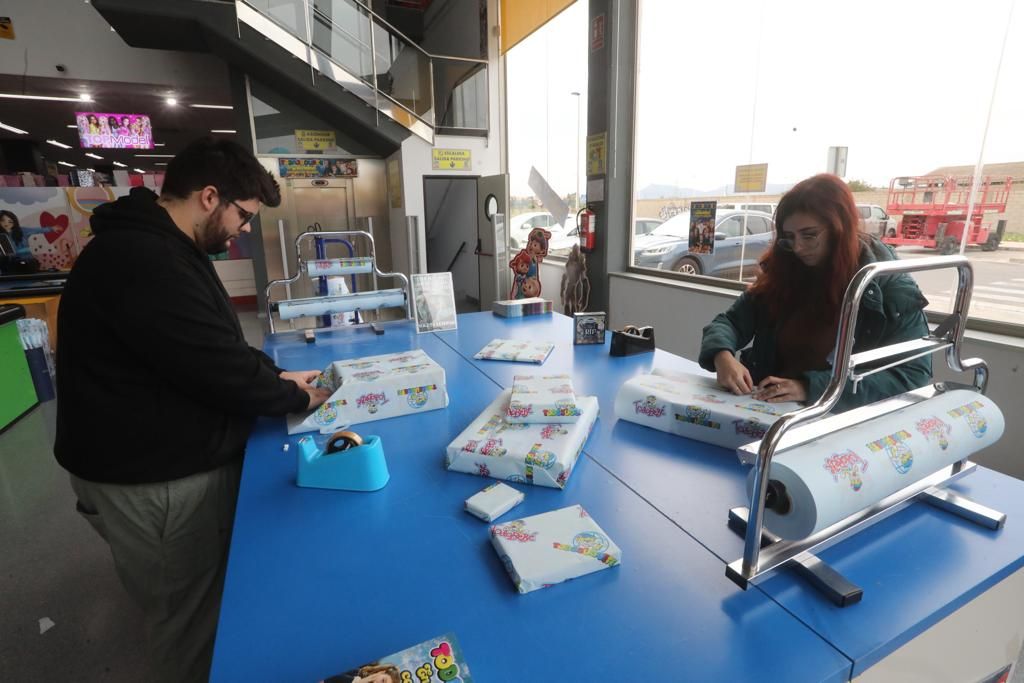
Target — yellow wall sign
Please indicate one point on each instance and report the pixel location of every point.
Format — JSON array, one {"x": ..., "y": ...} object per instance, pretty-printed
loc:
[
  {"x": 597, "y": 154},
  {"x": 451, "y": 160},
  {"x": 315, "y": 140},
  {"x": 751, "y": 178},
  {"x": 6, "y": 28}
]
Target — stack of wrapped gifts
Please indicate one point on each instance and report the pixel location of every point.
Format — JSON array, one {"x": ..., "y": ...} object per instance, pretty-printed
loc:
[{"x": 531, "y": 434}]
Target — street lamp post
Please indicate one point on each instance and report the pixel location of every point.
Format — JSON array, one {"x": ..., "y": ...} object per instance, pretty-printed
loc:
[{"x": 579, "y": 104}]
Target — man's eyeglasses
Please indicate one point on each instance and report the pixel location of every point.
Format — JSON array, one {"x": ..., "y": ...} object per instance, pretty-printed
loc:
[
  {"x": 246, "y": 215},
  {"x": 807, "y": 240}
]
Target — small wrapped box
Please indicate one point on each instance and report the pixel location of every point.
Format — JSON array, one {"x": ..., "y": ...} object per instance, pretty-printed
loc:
[
  {"x": 540, "y": 454},
  {"x": 589, "y": 327},
  {"x": 695, "y": 406},
  {"x": 517, "y": 308},
  {"x": 374, "y": 388},
  {"x": 553, "y": 547},
  {"x": 494, "y": 501},
  {"x": 515, "y": 350},
  {"x": 548, "y": 399}
]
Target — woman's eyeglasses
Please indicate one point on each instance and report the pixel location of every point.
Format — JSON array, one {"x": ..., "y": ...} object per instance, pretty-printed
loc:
[{"x": 807, "y": 240}]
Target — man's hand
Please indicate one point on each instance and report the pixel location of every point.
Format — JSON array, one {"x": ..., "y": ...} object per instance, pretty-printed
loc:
[
  {"x": 777, "y": 389},
  {"x": 732, "y": 374},
  {"x": 303, "y": 378}
]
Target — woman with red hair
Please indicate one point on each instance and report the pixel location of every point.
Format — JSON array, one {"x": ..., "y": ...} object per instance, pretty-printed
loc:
[{"x": 791, "y": 312}]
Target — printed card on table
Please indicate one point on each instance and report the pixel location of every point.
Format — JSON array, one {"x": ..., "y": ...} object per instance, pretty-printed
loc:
[
  {"x": 433, "y": 297},
  {"x": 553, "y": 547},
  {"x": 515, "y": 350},
  {"x": 438, "y": 660}
]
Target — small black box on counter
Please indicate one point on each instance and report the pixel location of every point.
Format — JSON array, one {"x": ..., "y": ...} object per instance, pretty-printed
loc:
[{"x": 589, "y": 327}]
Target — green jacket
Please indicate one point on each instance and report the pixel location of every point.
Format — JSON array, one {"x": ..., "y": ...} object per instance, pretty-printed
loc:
[{"x": 891, "y": 311}]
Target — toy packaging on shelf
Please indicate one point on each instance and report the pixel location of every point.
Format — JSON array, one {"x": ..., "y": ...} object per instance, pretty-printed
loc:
[
  {"x": 433, "y": 661},
  {"x": 547, "y": 399},
  {"x": 695, "y": 406},
  {"x": 540, "y": 454},
  {"x": 374, "y": 388},
  {"x": 515, "y": 350},
  {"x": 494, "y": 501},
  {"x": 553, "y": 547},
  {"x": 517, "y": 308}
]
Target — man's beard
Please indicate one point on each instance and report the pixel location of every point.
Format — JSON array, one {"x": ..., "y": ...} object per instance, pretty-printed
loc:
[{"x": 213, "y": 237}]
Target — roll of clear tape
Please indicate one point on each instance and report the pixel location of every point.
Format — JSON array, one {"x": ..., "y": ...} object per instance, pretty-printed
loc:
[
  {"x": 360, "y": 301},
  {"x": 842, "y": 473},
  {"x": 339, "y": 266}
]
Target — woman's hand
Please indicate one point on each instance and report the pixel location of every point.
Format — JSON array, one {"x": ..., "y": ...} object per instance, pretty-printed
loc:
[
  {"x": 777, "y": 389},
  {"x": 732, "y": 374}
]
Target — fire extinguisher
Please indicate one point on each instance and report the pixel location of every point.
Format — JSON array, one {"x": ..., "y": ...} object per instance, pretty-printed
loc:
[{"x": 586, "y": 222}]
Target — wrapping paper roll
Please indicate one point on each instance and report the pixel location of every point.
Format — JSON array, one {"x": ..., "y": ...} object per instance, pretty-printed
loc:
[
  {"x": 695, "y": 406},
  {"x": 339, "y": 266},
  {"x": 382, "y": 298},
  {"x": 840, "y": 474}
]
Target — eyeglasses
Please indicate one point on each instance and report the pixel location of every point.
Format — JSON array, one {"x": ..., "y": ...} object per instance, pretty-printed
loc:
[
  {"x": 246, "y": 215},
  {"x": 807, "y": 240}
]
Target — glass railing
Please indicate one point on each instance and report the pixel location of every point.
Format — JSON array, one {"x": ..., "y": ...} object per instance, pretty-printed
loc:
[{"x": 397, "y": 70}]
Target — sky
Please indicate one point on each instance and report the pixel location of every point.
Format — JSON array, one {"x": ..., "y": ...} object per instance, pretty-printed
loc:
[{"x": 905, "y": 85}]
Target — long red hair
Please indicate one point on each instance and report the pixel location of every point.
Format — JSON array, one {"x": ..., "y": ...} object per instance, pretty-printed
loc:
[{"x": 785, "y": 284}]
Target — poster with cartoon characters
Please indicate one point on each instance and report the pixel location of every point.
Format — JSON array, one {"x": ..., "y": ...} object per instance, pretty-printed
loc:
[
  {"x": 35, "y": 220},
  {"x": 526, "y": 265},
  {"x": 553, "y": 547},
  {"x": 438, "y": 660},
  {"x": 374, "y": 388},
  {"x": 542, "y": 454}
]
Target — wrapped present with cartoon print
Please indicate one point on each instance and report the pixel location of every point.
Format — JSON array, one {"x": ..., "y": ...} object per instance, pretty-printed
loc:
[
  {"x": 515, "y": 351},
  {"x": 695, "y": 406},
  {"x": 546, "y": 399},
  {"x": 374, "y": 388},
  {"x": 540, "y": 454},
  {"x": 553, "y": 547}
]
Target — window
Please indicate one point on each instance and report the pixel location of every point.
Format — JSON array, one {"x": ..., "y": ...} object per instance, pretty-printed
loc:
[
  {"x": 731, "y": 226},
  {"x": 788, "y": 71},
  {"x": 757, "y": 225}
]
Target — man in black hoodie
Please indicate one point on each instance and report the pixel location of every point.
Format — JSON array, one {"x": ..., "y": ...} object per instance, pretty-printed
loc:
[{"x": 157, "y": 391}]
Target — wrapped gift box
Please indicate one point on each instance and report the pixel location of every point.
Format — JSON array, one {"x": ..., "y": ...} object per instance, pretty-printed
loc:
[
  {"x": 517, "y": 308},
  {"x": 695, "y": 406},
  {"x": 375, "y": 388},
  {"x": 541, "y": 454},
  {"x": 515, "y": 350},
  {"x": 494, "y": 501},
  {"x": 553, "y": 547},
  {"x": 546, "y": 399}
]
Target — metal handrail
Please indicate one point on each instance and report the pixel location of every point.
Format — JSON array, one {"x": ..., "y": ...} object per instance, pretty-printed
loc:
[{"x": 841, "y": 369}]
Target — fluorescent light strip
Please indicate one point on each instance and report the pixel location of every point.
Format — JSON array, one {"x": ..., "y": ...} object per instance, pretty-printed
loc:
[
  {"x": 159, "y": 144},
  {"x": 211, "y": 106},
  {"x": 48, "y": 98},
  {"x": 19, "y": 131},
  {"x": 58, "y": 144},
  {"x": 94, "y": 156},
  {"x": 156, "y": 156},
  {"x": 64, "y": 163},
  {"x": 118, "y": 163},
  {"x": 138, "y": 170},
  {"x": 229, "y": 132},
  {"x": 71, "y": 125},
  {"x": 160, "y": 163}
]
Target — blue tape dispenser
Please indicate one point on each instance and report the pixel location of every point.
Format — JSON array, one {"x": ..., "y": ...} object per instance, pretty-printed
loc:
[{"x": 347, "y": 462}]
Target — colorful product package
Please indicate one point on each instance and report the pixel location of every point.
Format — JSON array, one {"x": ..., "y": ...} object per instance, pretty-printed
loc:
[
  {"x": 438, "y": 660},
  {"x": 539, "y": 454},
  {"x": 374, "y": 388},
  {"x": 494, "y": 501},
  {"x": 695, "y": 406},
  {"x": 589, "y": 328},
  {"x": 515, "y": 350},
  {"x": 548, "y": 399},
  {"x": 553, "y": 547},
  {"x": 517, "y": 308}
]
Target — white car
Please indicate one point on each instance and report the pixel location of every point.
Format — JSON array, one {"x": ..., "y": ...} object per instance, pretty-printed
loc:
[
  {"x": 562, "y": 236},
  {"x": 875, "y": 221}
]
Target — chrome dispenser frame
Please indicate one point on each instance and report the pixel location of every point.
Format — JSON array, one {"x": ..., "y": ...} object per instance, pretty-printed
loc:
[{"x": 765, "y": 552}]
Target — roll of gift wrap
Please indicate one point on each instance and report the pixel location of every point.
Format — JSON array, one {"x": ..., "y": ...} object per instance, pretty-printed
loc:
[
  {"x": 842, "y": 473},
  {"x": 339, "y": 266},
  {"x": 695, "y": 406},
  {"x": 383, "y": 298}
]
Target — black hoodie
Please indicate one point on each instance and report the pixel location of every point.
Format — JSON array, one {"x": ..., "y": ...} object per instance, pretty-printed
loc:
[{"x": 154, "y": 378}]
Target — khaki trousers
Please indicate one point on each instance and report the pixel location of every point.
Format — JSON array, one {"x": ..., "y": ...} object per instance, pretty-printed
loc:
[{"x": 170, "y": 541}]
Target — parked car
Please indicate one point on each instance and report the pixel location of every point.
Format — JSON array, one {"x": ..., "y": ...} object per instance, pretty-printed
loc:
[
  {"x": 766, "y": 207},
  {"x": 667, "y": 247},
  {"x": 644, "y": 226},
  {"x": 875, "y": 221},
  {"x": 562, "y": 236}
]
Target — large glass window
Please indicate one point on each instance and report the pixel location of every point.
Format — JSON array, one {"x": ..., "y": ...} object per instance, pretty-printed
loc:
[{"x": 903, "y": 95}]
